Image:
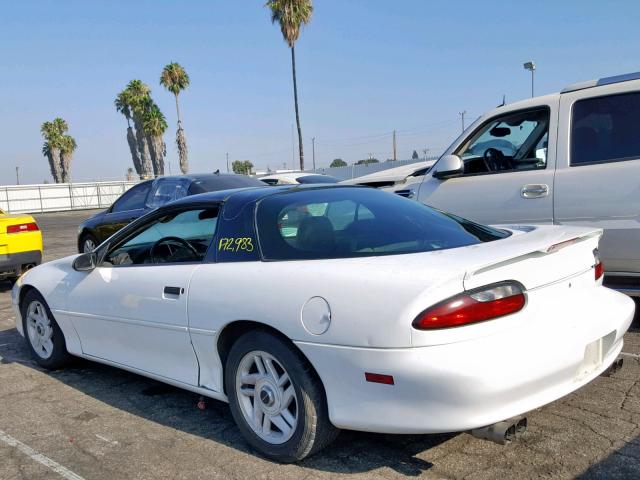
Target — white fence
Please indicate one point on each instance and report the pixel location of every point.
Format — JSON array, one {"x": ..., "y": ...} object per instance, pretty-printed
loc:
[{"x": 61, "y": 196}]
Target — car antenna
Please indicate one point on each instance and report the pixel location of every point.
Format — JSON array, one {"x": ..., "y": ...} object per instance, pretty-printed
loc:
[{"x": 504, "y": 100}]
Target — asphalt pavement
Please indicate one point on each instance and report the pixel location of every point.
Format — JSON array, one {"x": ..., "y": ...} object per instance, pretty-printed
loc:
[{"x": 96, "y": 422}]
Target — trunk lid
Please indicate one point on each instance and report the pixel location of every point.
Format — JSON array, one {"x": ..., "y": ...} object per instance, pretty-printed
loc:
[{"x": 535, "y": 256}]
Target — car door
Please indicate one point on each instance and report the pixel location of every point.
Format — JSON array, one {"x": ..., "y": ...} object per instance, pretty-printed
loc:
[
  {"x": 598, "y": 176},
  {"x": 514, "y": 187},
  {"x": 126, "y": 209},
  {"x": 132, "y": 308}
]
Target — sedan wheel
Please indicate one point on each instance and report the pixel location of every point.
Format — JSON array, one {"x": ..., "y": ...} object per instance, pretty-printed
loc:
[
  {"x": 276, "y": 398},
  {"x": 89, "y": 243},
  {"x": 267, "y": 397},
  {"x": 43, "y": 335}
]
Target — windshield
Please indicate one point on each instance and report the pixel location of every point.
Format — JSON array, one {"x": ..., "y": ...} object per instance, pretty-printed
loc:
[{"x": 355, "y": 222}]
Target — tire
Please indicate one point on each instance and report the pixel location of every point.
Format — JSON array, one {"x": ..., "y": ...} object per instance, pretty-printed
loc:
[
  {"x": 38, "y": 324},
  {"x": 86, "y": 240},
  {"x": 307, "y": 428}
]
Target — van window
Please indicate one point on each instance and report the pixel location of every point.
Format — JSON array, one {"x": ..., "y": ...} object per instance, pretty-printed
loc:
[
  {"x": 605, "y": 129},
  {"x": 512, "y": 142}
]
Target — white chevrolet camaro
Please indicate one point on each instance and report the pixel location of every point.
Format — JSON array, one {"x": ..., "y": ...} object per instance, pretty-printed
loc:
[{"x": 311, "y": 309}]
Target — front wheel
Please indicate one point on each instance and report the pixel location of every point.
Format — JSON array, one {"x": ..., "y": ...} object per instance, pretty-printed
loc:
[
  {"x": 42, "y": 333},
  {"x": 276, "y": 399},
  {"x": 88, "y": 243}
]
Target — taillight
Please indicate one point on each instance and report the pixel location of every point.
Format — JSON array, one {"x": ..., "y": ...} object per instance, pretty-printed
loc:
[
  {"x": 479, "y": 305},
  {"x": 23, "y": 227},
  {"x": 599, "y": 266}
]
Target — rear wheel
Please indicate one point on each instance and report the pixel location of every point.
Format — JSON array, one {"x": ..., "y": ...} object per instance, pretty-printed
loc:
[
  {"x": 42, "y": 333},
  {"x": 276, "y": 399},
  {"x": 88, "y": 243}
]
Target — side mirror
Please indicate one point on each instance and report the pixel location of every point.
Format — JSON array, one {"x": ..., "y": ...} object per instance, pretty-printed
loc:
[
  {"x": 448, "y": 167},
  {"x": 85, "y": 262}
]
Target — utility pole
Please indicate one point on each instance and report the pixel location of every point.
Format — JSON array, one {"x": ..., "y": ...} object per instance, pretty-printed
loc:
[
  {"x": 394, "y": 146},
  {"x": 227, "y": 162},
  {"x": 462, "y": 114},
  {"x": 313, "y": 146},
  {"x": 17, "y": 175}
]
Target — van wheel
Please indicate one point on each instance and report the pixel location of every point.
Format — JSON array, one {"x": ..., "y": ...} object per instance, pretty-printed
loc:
[
  {"x": 42, "y": 333},
  {"x": 276, "y": 399}
]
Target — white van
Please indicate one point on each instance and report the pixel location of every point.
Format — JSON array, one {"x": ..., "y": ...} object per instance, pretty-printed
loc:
[{"x": 570, "y": 158}]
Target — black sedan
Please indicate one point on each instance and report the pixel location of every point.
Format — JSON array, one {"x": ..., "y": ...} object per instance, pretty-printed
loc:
[{"x": 151, "y": 194}]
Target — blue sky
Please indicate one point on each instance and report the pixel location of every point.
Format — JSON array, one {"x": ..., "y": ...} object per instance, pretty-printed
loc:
[{"x": 365, "y": 67}]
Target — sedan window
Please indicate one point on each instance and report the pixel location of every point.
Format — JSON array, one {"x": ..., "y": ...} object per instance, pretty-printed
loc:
[
  {"x": 132, "y": 199},
  {"x": 354, "y": 222},
  {"x": 167, "y": 191},
  {"x": 176, "y": 237}
]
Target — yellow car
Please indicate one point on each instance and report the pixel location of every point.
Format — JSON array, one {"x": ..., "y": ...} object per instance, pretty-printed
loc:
[{"x": 20, "y": 244}]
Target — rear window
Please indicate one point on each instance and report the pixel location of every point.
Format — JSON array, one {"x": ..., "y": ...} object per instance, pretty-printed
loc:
[
  {"x": 316, "y": 179},
  {"x": 605, "y": 129},
  {"x": 223, "y": 182},
  {"x": 356, "y": 222}
]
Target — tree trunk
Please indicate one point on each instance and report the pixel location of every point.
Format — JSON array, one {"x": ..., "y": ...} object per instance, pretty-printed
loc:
[
  {"x": 181, "y": 142},
  {"x": 157, "y": 153},
  {"x": 52, "y": 167},
  {"x": 65, "y": 164},
  {"x": 178, "y": 109},
  {"x": 133, "y": 148},
  {"x": 295, "y": 99},
  {"x": 54, "y": 163},
  {"x": 146, "y": 170}
]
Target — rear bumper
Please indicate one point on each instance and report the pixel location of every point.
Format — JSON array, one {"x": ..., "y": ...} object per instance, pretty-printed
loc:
[
  {"x": 473, "y": 383},
  {"x": 11, "y": 263}
]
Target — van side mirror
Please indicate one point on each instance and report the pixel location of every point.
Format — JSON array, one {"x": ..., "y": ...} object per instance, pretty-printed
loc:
[
  {"x": 448, "y": 166},
  {"x": 85, "y": 262}
]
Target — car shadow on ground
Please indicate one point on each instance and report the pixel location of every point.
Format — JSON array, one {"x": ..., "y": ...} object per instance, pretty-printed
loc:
[
  {"x": 616, "y": 465},
  {"x": 352, "y": 452},
  {"x": 5, "y": 286}
]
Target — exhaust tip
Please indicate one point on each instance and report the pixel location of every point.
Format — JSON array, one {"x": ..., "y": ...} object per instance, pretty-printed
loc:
[
  {"x": 521, "y": 425},
  {"x": 613, "y": 368},
  {"x": 503, "y": 432}
]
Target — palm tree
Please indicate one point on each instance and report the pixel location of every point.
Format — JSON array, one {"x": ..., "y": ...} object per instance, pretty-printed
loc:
[
  {"x": 139, "y": 97},
  {"x": 291, "y": 15},
  {"x": 122, "y": 103},
  {"x": 67, "y": 147},
  {"x": 175, "y": 79},
  {"x": 53, "y": 133},
  {"x": 154, "y": 125}
]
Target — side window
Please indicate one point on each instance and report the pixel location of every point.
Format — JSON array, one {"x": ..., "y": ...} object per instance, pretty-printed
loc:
[
  {"x": 516, "y": 141},
  {"x": 605, "y": 129},
  {"x": 132, "y": 199},
  {"x": 167, "y": 191},
  {"x": 307, "y": 224},
  {"x": 173, "y": 238}
]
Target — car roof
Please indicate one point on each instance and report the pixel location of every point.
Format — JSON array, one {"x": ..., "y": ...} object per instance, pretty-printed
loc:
[
  {"x": 197, "y": 176},
  {"x": 292, "y": 175}
]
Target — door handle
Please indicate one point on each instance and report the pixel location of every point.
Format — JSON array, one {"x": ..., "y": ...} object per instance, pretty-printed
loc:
[
  {"x": 173, "y": 290},
  {"x": 533, "y": 190}
]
